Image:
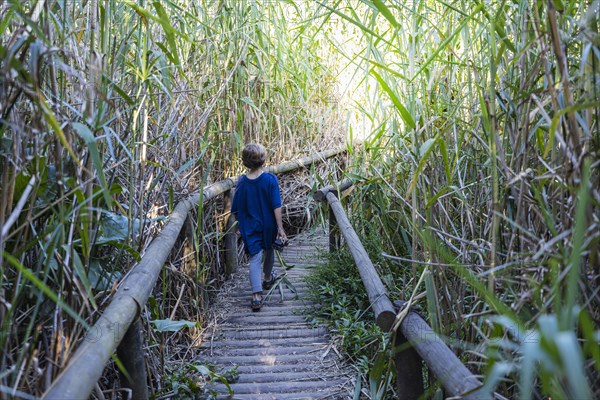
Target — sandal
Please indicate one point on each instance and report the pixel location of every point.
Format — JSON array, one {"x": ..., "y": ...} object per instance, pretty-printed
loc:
[
  {"x": 255, "y": 304},
  {"x": 266, "y": 285}
]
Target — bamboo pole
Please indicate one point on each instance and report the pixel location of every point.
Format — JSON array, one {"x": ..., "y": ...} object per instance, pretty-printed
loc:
[
  {"x": 320, "y": 195},
  {"x": 77, "y": 380},
  {"x": 380, "y": 302},
  {"x": 334, "y": 242},
  {"x": 230, "y": 239},
  {"x": 456, "y": 379}
]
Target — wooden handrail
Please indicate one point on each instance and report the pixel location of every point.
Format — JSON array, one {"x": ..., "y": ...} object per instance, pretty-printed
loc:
[
  {"x": 321, "y": 194},
  {"x": 456, "y": 379},
  {"x": 380, "y": 302},
  {"x": 77, "y": 380}
]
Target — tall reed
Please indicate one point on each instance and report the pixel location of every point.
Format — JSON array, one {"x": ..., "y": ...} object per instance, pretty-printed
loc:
[
  {"x": 111, "y": 111},
  {"x": 482, "y": 148}
]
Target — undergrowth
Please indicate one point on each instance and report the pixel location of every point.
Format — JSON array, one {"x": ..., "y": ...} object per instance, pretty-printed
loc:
[{"x": 345, "y": 310}]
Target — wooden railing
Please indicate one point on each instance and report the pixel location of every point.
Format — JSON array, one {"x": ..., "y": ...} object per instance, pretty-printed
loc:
[
  {"x": 119, "y": 328},
  {"x": 415, "y": 341}
]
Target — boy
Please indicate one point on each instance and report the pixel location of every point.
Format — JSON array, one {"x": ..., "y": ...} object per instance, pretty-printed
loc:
[{"x": 257, "y": 207}]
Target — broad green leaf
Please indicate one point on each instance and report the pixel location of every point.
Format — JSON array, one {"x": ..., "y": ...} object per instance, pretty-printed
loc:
[
  {"x": 426, "y": 147},
  {"x": 202, "y": 369},
  {"x": 169, "y": 325},
  {"x": 386, "y": 12},
  {"x": 572, "y": 364},
  {"x": 100, "y": 278},
  {"x": 403, "y": 111}
]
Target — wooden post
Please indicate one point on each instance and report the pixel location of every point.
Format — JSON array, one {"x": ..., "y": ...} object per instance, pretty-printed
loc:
[
  {"x": 334, "y": 241},
  {"x": 131, "y": 354},
  {"x": 230, "y": 239},
  {"x": 189, "y": 265},
  {"x": 409, "y": 368},
  {"x": 455, "y": 378}
]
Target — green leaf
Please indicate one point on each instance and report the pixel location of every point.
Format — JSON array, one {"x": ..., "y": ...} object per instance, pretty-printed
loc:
[
  {"x": 354, "y": 22},
  {"x": 169, "y": 30},
  {"x": 83, "y": 276},
  {"x": 100, "y": 277},
  {"x": 573, "y": 363},
  {"x": 51, "y": 120},
  {"x": 90, "y": 141},
  {"x": 424, "y": 152},
  {"x": 444, "y": 150},
  {"x": 386, "y": 12},
  {"x": 115, "y": 227},
  {"x": 29, "y": 275},
  {"x": 403, "y": 111},
  {"x": 446, "y": 42},
  {"x": 426, "y": 147},
  {"x": 579, "y": 235},
  {"x": 169, "y": 325}
]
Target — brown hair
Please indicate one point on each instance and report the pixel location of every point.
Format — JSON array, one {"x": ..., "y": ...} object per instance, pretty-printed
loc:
[{"x": 254, "y": 156}]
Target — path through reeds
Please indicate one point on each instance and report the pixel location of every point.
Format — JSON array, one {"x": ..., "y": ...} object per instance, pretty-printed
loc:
[{"x": 275, "y": 353}]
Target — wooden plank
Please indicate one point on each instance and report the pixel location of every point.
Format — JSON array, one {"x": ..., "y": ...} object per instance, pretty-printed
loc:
[
  {"x": 328, "y": 394},
  {"x": 280, "y": 387},
  {"x": 256, "y": 343},
  {"x": 265, "y": 359},
  {"x": 270, "y": 351},
  {"x": 266, "y": 319},
  {"x": 285, "y": 377},
  {"x": 309, "y": 369}
]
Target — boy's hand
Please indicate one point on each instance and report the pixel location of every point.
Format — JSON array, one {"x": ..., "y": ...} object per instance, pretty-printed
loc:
[{"x": 281, "y": 234}]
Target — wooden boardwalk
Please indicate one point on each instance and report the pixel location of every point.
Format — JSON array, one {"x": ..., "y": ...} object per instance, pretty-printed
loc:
[{"x": 277, "y": 353}]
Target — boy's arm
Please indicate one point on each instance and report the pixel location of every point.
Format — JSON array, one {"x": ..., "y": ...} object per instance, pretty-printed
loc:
[{"x": 280, "y": 231}]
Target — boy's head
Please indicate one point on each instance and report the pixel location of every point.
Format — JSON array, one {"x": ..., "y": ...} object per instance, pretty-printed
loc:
[{"x": 254, "y": 156}]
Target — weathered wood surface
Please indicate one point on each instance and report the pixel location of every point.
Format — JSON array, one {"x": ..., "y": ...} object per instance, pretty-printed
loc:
[
  {"x": 456, "y": 379},
  {"x": 278, "y": 354},
  {"x": 321, "y": 194},
  {"x": 378, "y": 297}
]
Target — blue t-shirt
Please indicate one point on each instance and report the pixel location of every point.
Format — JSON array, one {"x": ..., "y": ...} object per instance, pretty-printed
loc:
[{"x": 253, "y": 204}]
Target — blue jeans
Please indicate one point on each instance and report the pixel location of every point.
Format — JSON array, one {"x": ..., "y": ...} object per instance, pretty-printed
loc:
[{"x": 256, "y": 269}]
